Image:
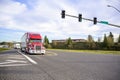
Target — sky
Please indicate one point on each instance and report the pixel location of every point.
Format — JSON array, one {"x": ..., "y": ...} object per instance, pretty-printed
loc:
[{"x": 44, "y": 16}]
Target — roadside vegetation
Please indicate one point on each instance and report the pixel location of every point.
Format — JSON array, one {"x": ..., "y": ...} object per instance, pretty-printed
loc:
[
  {"x": 108, "y": 45},
  {"x": 90, "y": 51},
  {"x": 3, "y": 49},
  {"x": 5, "y": 46}
]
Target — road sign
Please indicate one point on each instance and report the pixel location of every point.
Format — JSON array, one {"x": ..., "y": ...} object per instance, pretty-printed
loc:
[{"x": 103, "y": 22}]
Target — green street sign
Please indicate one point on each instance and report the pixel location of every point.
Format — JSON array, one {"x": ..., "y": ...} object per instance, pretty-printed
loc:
[{"x": 103, "y": 22}]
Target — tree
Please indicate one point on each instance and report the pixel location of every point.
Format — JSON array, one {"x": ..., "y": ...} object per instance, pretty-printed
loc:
[
  {"x": 112, "y": 37},
  {"x": 98, "y": 44},
  {"x": 10, "y": 44},
  {"x": 119, "y": 39},
  {"x": 117, "y": 45},
  {"x": 90, "y": 39},
  {"x": 99, "y": 40},
  {"x": 54, "y": 44},
  {"x": 110, "y": 40},
  {"x": 3, "y": 43},
  {"x": 105, "y": 41},
  {"x": 46, "y": 42},
  {"x": 90, "y": 42},
  {"x": 69, "y": 43}
]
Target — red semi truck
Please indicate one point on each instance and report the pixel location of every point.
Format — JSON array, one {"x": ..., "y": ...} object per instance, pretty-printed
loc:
[{"x": 32, "y": 43}]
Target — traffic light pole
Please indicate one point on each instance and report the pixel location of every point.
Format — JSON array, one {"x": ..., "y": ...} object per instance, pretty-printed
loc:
[
  {"x": 114, "y": 25},
  {"x": 77, "y": 17},
  {"x": 102, "y": 22}
]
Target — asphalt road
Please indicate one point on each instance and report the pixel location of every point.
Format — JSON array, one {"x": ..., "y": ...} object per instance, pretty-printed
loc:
[{"x": 58, "y": 65}]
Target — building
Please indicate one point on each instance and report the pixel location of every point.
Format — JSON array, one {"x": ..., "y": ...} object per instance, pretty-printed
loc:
[
  {"x": 3, "y": 46},
  {"x": 73, "y": 40}
]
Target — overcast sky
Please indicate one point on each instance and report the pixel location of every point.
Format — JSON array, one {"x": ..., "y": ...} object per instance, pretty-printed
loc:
[{"x": 43, "y": 16}]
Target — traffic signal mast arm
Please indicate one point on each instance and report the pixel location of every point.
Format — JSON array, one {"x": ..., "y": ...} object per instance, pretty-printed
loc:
[
  {"x": 102, "y": 22},
  {"x": 114, "y": 25},
  {"x": 78, "y": 17}
]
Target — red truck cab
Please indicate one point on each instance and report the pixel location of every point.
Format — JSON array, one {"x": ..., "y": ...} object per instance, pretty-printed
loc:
[{"x": 32, "y": 43}]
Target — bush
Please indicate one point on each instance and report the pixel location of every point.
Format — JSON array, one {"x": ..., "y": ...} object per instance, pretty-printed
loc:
[{"x": 3, "y": 49}]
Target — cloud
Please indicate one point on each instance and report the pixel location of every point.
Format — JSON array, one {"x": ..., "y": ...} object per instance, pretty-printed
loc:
[
  {"x": 9, "y": 10},
  {"x": 43, "y": 16},
  {"x": 12, "y": 8}
]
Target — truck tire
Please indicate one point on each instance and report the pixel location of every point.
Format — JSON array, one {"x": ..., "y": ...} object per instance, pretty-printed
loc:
[{"x": 42, "y": 53}]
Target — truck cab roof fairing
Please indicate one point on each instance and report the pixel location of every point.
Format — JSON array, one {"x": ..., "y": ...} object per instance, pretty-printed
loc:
[{"x": 34, "y": 36}]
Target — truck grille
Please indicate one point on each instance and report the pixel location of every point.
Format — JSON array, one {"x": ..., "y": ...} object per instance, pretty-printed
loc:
[{"x": 38, "y": 47}]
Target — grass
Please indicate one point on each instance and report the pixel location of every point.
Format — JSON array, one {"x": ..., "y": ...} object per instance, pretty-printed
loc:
[
  {"x": 3, "y": 49},
  {"x": 91, "y": 51}
]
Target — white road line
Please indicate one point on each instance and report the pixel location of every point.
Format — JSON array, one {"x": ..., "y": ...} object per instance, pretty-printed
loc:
[
  {"x": 13, "y": 65},
  {"x": 5, "y": 63},
  {"x": 15, "y": 61},
  {"x": 20, "y": 58},
  {"x": 31, "y": 60},
  {"x": 12, "y": 61}
]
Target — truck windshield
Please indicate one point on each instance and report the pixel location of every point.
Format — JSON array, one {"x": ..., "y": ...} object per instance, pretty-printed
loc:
[{"x": 35, "y": 40}]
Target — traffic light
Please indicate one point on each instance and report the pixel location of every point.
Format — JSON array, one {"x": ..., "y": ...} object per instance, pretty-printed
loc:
[
  {"x": 95, "y": 20},
  {"x": 80, "y": 17},
  {"x": 63, "y": 14}
]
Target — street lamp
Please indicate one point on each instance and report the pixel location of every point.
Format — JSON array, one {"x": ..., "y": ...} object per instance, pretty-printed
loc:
[{"x": 114, "y": 8}]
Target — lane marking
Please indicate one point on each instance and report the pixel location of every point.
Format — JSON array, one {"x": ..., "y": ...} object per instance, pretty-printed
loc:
[
  {"x": 28, "y": 58},
  {"x": 12, "y": 61},
  {"x": 13, "y": 65},
  {"x": 12, "y": 57},
  {"x": 15, "y": 61},
  {"x": 5, "y": 63}
]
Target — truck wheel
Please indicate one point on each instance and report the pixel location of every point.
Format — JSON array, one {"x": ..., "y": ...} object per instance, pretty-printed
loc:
[
  {"x": 42, "y": 53},
  {"x": 22, "y": 50}
]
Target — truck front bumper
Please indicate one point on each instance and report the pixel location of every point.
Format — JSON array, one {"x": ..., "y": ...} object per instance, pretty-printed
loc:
[{"x": 37, "y": 51}]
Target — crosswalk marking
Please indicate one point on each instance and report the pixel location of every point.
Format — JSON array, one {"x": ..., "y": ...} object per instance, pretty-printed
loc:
[
  {"x": 8, "y": 65},
  {"x": 14, "y": 60},
  {"x": 13, "y": 57}
]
